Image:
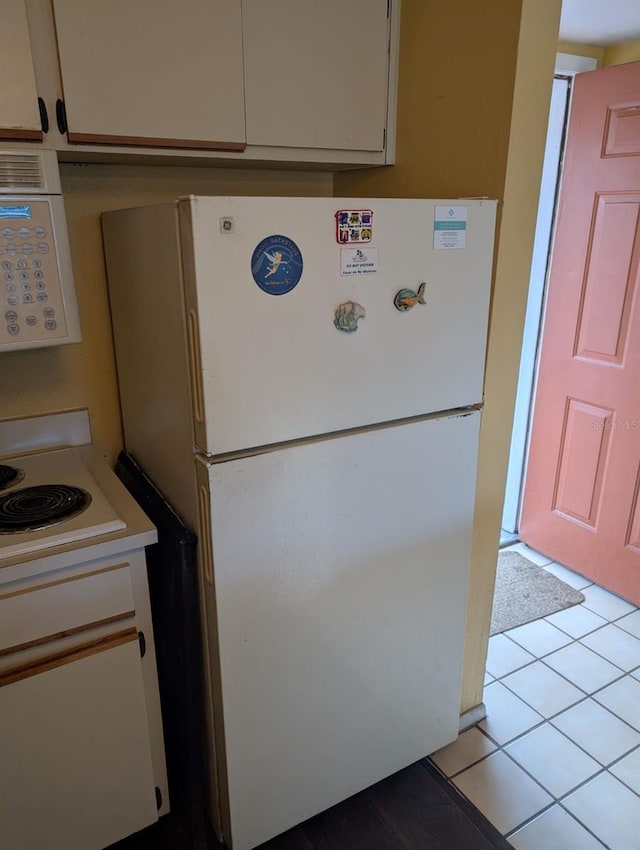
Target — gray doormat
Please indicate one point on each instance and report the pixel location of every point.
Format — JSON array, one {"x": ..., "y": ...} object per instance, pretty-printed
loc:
[{"x": 525, "y": 592}]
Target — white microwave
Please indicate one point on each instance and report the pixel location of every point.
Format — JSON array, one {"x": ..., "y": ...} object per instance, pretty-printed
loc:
[{"x": 38, "y": 304}]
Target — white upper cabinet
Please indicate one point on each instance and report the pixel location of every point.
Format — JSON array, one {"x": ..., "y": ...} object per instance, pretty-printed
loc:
[
  {"x": 316, "y": 73},
  {"x": 152, "y": 74},
  {"x": 310, "y": 82},
  {"x": 19, "y": 114}
]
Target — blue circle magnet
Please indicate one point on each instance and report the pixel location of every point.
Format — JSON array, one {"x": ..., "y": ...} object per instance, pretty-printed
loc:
[{"x": 276, "y": 265}]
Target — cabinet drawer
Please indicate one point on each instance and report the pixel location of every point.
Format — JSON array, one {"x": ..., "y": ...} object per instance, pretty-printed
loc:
[
  {"x": 76, "y": 765},
  {"x": 51, "y": 607}
]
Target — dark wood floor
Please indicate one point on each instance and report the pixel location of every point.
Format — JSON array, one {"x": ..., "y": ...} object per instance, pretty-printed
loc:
[{"x": 415, "y": 809}]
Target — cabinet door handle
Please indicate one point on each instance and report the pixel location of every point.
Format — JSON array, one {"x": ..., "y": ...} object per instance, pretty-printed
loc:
[
  {"x": 61, "y": 116},
  {"x": 44, "y": 117},
  {"x": 143, "y": 644},
  {"x": 66, "y": 656}
]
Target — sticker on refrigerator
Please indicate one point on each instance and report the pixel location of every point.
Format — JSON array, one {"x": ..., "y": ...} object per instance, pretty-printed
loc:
[
  {"x": 450, "y": 228},
  {"x": 354, "y": 226},
  {"x": 358, "y": 260},
  {"x": 276, "y": 265}
]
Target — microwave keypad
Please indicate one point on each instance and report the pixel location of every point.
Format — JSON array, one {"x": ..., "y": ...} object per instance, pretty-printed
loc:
[{"x": 31, "y": 306}]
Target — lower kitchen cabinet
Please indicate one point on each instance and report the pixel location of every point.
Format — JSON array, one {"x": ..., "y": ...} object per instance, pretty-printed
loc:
[
  {"x": 82, "y": 760},
  {"x": 77, "y": 771},
  {"x": 81, "y": 745}
]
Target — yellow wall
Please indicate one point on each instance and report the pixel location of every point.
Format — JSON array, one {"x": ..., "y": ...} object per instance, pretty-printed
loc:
[
  {"x": 457, "y": 66},
  {"x": 72, "y": 376},
  {"x": 614, "y": 54},
  {"x": 577, "y": 49},
  {"x": 618, "y": 54},
  {"x": 458, "y": 135}
]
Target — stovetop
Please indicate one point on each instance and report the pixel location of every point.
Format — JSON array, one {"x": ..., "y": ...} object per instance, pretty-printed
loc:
[
  {"x": 9, "y": 476},
  {"x": 50, "y": 498}
]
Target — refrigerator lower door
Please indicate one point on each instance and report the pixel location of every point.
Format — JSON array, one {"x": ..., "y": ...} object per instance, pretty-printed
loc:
[{"x": 340, "y": 572}]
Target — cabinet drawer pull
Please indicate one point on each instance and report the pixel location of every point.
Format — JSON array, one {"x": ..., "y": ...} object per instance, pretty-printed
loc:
[
  {"x": 25, "y": 671},
  {"x": 39, "y": 609},
  {"x": 64, "y": 580},
  {"x": 66, "y": 633}
]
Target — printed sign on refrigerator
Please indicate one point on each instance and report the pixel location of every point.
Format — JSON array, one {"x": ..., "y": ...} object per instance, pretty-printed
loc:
[
  {"x": 358, "y": 260},
  {"x": 450, "y": 227}
]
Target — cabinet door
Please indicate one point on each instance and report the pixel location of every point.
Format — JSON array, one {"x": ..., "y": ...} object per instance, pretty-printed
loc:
[
  {"x": 316, "y": 73},
  {"x": 19, "y": 114},
  {"x": 76, "y": 765},
  {"x": 152, "y": 74}
]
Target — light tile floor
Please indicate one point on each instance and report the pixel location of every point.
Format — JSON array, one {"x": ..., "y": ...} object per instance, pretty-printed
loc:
[{"x": 556, "y": 763}]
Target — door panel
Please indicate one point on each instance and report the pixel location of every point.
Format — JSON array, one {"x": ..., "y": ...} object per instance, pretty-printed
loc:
[
  {"x": 622, "y": 131},
  {"x": 633, "y": 537},
  {"x": 581, "y": 462},
  {"x": 610, "y": 280},
  {"x": 580, "y": 503}
]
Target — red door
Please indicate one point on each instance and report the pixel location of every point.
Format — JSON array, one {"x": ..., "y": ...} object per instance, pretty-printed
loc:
[{"x": 581, "y": 502}]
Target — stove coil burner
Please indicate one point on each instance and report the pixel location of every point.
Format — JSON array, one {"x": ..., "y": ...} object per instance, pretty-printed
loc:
[
  {"x": 33, "y": 508},
  {"x": 9, "y": 476}
]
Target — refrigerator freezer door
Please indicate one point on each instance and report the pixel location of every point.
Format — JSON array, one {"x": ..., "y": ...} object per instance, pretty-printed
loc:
[
  {"x": 269, "y": 367},
  {"x": 339, "y": 574}
]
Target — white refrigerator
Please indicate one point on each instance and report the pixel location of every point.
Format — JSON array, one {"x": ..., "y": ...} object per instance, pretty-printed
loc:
[{"x": 303, "y": 379}]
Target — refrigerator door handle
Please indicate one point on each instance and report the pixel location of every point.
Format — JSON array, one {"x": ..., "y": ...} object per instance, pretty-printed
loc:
[
  {"x": 195, "y": 369},
  {"x": 205, "y": 534}
]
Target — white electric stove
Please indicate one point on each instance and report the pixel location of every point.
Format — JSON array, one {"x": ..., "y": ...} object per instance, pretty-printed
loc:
[
  {"x": 78, "y": 679},
  {"x": 48, "y": 499},
  {"x": 60, "y": 502}
]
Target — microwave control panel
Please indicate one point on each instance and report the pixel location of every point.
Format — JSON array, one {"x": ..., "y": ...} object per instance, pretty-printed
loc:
[{"x": 37, "y": 296}]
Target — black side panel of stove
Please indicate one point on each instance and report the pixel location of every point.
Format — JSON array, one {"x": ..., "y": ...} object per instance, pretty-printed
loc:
[{"x": 173, "y": 590}]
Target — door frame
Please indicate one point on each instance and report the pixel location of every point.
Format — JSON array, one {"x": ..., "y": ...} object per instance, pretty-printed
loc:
[{"x": 567, "y": 66}]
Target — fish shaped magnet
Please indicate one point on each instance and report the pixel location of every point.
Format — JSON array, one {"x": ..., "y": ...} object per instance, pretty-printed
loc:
[{"x": 407, "y": 298}]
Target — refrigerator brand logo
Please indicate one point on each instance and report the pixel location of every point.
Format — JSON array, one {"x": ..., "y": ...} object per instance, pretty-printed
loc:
[{"x": 276, "y": 264}]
